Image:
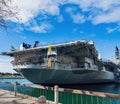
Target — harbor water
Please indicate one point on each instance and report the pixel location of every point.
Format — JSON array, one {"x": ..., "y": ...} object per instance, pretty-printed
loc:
[{"x": 107, "y": 88}]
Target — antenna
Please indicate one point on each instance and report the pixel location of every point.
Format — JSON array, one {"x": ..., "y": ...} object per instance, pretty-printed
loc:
[{"x": 117, "y": 56}]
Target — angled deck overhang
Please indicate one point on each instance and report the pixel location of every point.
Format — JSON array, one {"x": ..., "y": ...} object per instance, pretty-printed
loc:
[{"x": 71, "y": 48}]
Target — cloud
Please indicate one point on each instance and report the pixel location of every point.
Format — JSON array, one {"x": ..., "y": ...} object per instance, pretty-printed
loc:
[
  {"x": 75, "y": 29},
  {"x": 43, "y": 28},
  {"x": 3, "y": 60},
  {"x": 70, "y": 10},
  {"x": 5, "y": 65},
  {"x": 110, "y": 17},
  {"x": 94, "y": 11},
  {"x": 78, "y": 18},
  {"x": 99, "y": 11},
  {"x": 110, "y": 30},
  {"x": 41, "y": 9},
  {"x": 60, "y": 18},
  {"x": 28, "y": 10},
  {"x": 18, "y": 29}
]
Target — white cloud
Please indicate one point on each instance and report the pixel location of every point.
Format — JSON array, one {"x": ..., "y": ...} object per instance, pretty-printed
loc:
[
  {"x": 70, "y": 10},
  {"x": 83, "y": 4},
  {"x": 106, "y": 5},
  {"x": 87, "y": 5},
  {"x": 78, "y": 18},
  {"x": 60, "y": 18},
  {"x": 18, "y": 29},
  {"x": 110, "y": 30},
  {"x": 98, "y": 11},
  {"x": 75, "y": 29},
  {"x": 3, "y": 60},
  {"x": 110, "y": 17},
  {"x": 5, "y": 65},
  {"x": 28, "y": 9},
  {"x": 43, "y": 28}
]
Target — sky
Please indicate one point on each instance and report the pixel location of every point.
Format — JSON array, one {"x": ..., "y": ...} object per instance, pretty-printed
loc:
[{"x": 58, "y": 21}]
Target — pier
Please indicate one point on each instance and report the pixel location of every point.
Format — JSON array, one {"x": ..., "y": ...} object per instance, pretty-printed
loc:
[
  {"x": 54, "y": 95},
  {"x": 7, "y": 97}
]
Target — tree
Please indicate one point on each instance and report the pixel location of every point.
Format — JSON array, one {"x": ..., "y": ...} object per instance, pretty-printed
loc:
[{"x": 5, "y": 12}]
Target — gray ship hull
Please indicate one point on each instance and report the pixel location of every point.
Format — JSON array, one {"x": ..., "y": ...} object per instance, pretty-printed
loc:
[{"x": 66, "y": 77}]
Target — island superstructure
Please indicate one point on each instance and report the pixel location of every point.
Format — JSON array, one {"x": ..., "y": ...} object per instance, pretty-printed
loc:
[
  {"x": 116, "y": 61},
  {"x": 62, "y": 64}
]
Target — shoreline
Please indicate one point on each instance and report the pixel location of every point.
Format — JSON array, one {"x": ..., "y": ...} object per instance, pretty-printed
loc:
[{"x": 13, "y": 77}]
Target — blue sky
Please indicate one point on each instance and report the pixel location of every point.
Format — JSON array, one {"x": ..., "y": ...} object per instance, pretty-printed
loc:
[{"x": 58, "y": 21}]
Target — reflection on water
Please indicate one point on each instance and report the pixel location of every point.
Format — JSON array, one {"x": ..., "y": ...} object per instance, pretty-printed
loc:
[{"x": 108, "y": 88}]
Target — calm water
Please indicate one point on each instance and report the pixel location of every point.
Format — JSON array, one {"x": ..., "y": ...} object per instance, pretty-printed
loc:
[{"x": 108, "y": 88}]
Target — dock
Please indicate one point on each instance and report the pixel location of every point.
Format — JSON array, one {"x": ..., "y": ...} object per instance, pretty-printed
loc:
[
  {"x": 16, "y": 93},
  {"x": 7, "y": 97}
]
